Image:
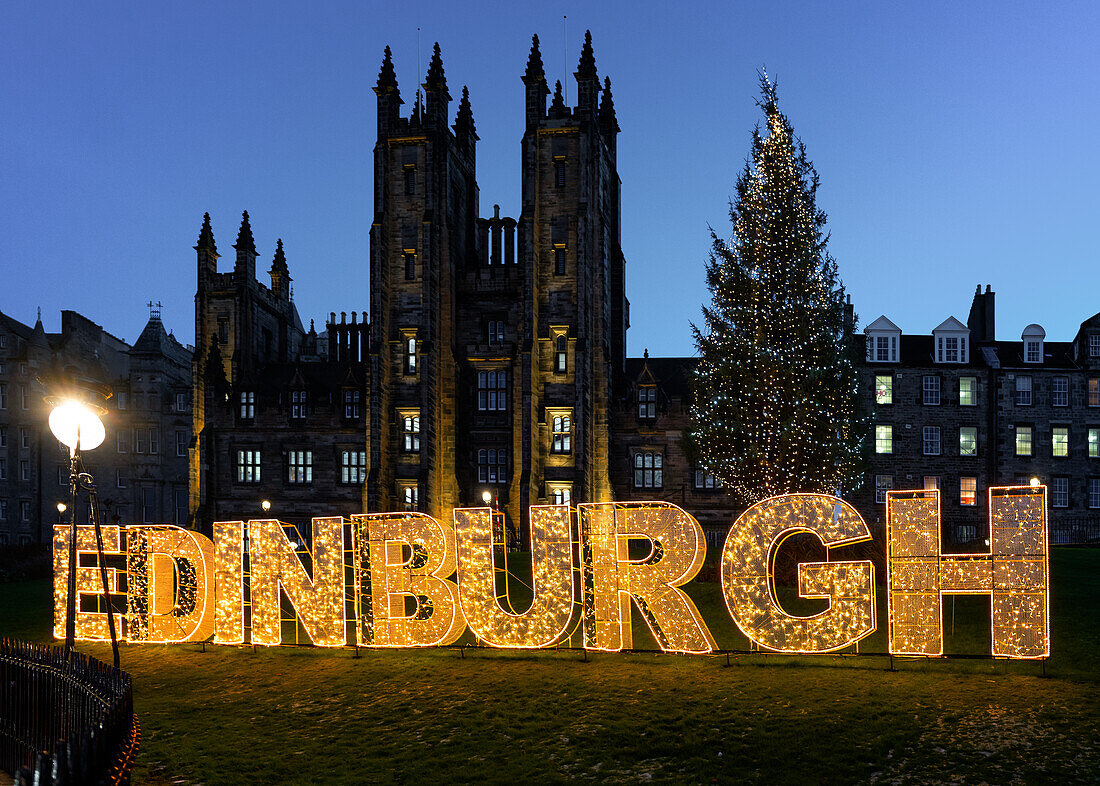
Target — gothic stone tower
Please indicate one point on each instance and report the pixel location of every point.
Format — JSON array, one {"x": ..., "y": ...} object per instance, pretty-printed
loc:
[{"x": 496, "y": 344}]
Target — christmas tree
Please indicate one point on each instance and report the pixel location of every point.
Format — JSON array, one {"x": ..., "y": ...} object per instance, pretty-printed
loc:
[{"x": 775, "y": 392}]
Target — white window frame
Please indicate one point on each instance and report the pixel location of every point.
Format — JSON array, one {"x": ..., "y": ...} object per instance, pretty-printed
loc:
[
  {"x": 1023, "y": 390},
  {"x": 1059, "y": 441},
  {"x": 883, "y": 483},
  {"x": 884, "y": 435},
  {"x": 1059, "y": 492},
  {"x": 1059, "y": 391},
  {"x": 931, "y": 441},
  {"x": 964, "y": 432},
  {"x": 931, "y": 390}
]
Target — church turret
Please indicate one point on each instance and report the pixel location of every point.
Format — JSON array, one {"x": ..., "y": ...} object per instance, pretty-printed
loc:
[
  {"x": 435, "y": 88},
  {"x": 389, "y": 97},
  {"x": 246, "y": 251},
  {"x": 588, "y": 81},
  {"x": 534, "y": 79},
  {"x": 280, "y": 274},
  {"x": 207, "y": 252}
]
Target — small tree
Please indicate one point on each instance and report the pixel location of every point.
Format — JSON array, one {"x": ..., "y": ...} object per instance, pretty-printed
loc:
[{"x": 776, "y": 390}]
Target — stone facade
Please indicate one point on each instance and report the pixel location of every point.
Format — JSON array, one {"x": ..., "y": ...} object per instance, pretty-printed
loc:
[
  {"x": 141, "y": 467},
  {"x": 1006, "y": 412}
]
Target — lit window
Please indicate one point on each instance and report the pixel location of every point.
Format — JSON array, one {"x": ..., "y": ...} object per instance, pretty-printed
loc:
[
  {"x": 492, "y": 465},
  {"x": 492, "y": 391},
  {"x": 648, "y": 469},
  {"x": 968, "y": 491},
  {"x": 297, "y": 404},
  {"x": 931, "y": 389},
  {"x": 884, "y": 439},
  {"x": 1094, "y": 443},
  {"x": 559, "y": 261},
  {"x": 1094, "y": 392},
  {"x": 410, "y": 355},
  {"x": 1059, "y": 441},
  {"x": 647, "y": 402},
  {"x": 301, "y": 466},
  {"x": 248, "y": 405},
  {"x": 561, "y": 493},
  {"x": 410, "y": 431},
  {"x": 883, "y": 483},
  {"x": 561, "y": 435},
  {"x": 705, "y": 480},
  {"x": 248, "y": 466},
  {"x": 410, "y": 266},
  {"x": 560, "y": 356},
  {"x": 1023, "y": 440},
  {"x": 968, "y": 391},
  {"x": 1023, "y": 391},
  {"x": 410, "y": 496},
  {"x": 968, "y": 441},
  {"x": 931, "y": 482},
  {"x": 884, "y": 388},
  {"x": 1059, "y": 492},
  {"x": 931, "y": 440},
  {"x": 1059, "y": 391},
  {"x": 496, "y": 331},
  {"x": 351, "y": 404},
  {"x": 353, "y": 466}
]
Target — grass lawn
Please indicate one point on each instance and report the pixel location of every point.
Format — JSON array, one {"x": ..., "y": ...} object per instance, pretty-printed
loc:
[{"x": 300, "y": 715}]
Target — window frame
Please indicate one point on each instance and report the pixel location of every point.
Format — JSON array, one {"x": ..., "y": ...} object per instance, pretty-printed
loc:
[
  {"x": 1059, "y": 398},
  {"x": 884, "y": 434},
  {"x": 883, "y": 483},
  {"x": 1054, "y": 440},
  {"x": 931, "y": 440},
  {"x": 1024, "y": 387},
  {"x": 884, "y": 389},
  {"x": 962, "y": 442},
  {"x": 931, "y": 390},
  {"x": 968, "y": 491},
  {"x": 249, "y": 466},
  {"x": 648, "y": 465},
  {"x": 1020, "y": 428}
]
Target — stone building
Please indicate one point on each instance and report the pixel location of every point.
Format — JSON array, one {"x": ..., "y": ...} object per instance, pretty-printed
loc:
[
  {"x": 141, "y": 467},
  {"x": 960, "y": 411}
]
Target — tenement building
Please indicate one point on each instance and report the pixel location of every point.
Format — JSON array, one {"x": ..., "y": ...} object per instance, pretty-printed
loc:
[
  {"x": 141, "y": 468},
  {"x": 960, "y": 411}
]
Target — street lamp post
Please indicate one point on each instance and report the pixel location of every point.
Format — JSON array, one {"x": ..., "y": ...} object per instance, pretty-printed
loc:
[{"x": 76, "y": 408}]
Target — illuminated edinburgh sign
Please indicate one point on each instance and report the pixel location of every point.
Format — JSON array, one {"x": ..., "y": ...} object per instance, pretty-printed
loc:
[{"x": 409, "y": 580}]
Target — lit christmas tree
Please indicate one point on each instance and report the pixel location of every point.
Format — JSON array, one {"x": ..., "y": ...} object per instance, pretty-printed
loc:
[{"x": 776, "y": 390}]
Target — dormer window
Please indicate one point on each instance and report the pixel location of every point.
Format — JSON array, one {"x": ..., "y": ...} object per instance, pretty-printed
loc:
[
  {"x": 1032, "y": 337},
  {"x": 1094, "y": 345},
  {"x": 950, "y": 341},
  {"x": 883, "y": 337}
]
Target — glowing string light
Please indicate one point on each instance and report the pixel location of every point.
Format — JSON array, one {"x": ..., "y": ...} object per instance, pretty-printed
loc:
[
  {"x": 611, "y": 580},
  {"x": 90, "y": 625},
  {"x": 748, "y": 584},
  {"x": 170, "y": 575}
]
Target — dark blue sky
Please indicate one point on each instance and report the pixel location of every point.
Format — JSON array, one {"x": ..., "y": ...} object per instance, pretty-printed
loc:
[{"x": 956, "y": 143}]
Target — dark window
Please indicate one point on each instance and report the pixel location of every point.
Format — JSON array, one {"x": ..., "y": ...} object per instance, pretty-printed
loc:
[
  {"x": 559, "y": 173},
  {"x": 248, "y": 466},
  {"x": 353, "y": 466},
  {"x": 297, "y": 404},
  {"x": 559, "y": 261},
  {"x": 248, "y": 405},
  {"x": 647, "y": 402},
  {"x": 648, "y": 469},
  {"x": 496, "y": 331},
  {"x": 410, "y": 180},
  {"x": 560, "y": 357},
  {"x": 351, "y": 404},
  {"x": 492, "y": 393},
  {"x": 410, "y": 267},
  {"x": 492, "y": 465}
]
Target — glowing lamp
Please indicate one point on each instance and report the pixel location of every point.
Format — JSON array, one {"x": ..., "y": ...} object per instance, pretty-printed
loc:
[
  {"x": 1034, "y": 482},
  {"x": 266, "y": 505},
  {"x": 77, "y": 425},
  {"x": 61, "y": 508},
  {"x": 486, "y": 497}
]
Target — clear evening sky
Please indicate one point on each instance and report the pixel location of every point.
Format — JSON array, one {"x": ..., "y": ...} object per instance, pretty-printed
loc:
[{"x": 956, "y": 143}]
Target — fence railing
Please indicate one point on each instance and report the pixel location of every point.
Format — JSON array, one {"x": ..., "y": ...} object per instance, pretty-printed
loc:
[
  {"x": 64, "y": 720},
  {"x": 1075, "y": 530}
]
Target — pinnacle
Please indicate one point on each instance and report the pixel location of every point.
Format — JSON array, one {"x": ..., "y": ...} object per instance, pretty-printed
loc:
[
  {"x": 435, "y": 77},
  {"x": 559, "y": 100},
  {"x": 386, "y": 76},
  {"x": 587, "y": 66},
  {"x": 534, "y": 71},
  {"x": 465, "y": 118},
  {"x": 206, "y": 235},
  {"x": 279, "y": 262},
  {"x": 245, "y": 242},
  {"x": 607, "y": 106}
]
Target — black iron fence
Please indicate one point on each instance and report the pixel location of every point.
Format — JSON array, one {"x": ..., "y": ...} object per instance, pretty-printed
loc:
[
  {"x": 1075, "y": 530},
  {"x": 64, "y": 720}
]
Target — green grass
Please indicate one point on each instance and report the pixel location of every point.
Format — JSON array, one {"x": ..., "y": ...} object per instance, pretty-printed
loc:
[{"x": 300, "y": 715}]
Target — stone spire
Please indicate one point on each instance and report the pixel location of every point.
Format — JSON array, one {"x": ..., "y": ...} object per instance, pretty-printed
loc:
[
  {"x": 534, "y": 80},
  {"x": 389, "y": 97},
  {"x": 557, "y": 106},
  {"x": 464, "y": 128},
  {"x": 609, "y": 124},
  {"x": 207, "y": 252},
  {"x": 280, "y": 274},
  {"x": 588, "y": 81},
  {"x": 435, "y": 90},
  {"x": 246, "y": 249},
  {"x": 206, "y": 237}
]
